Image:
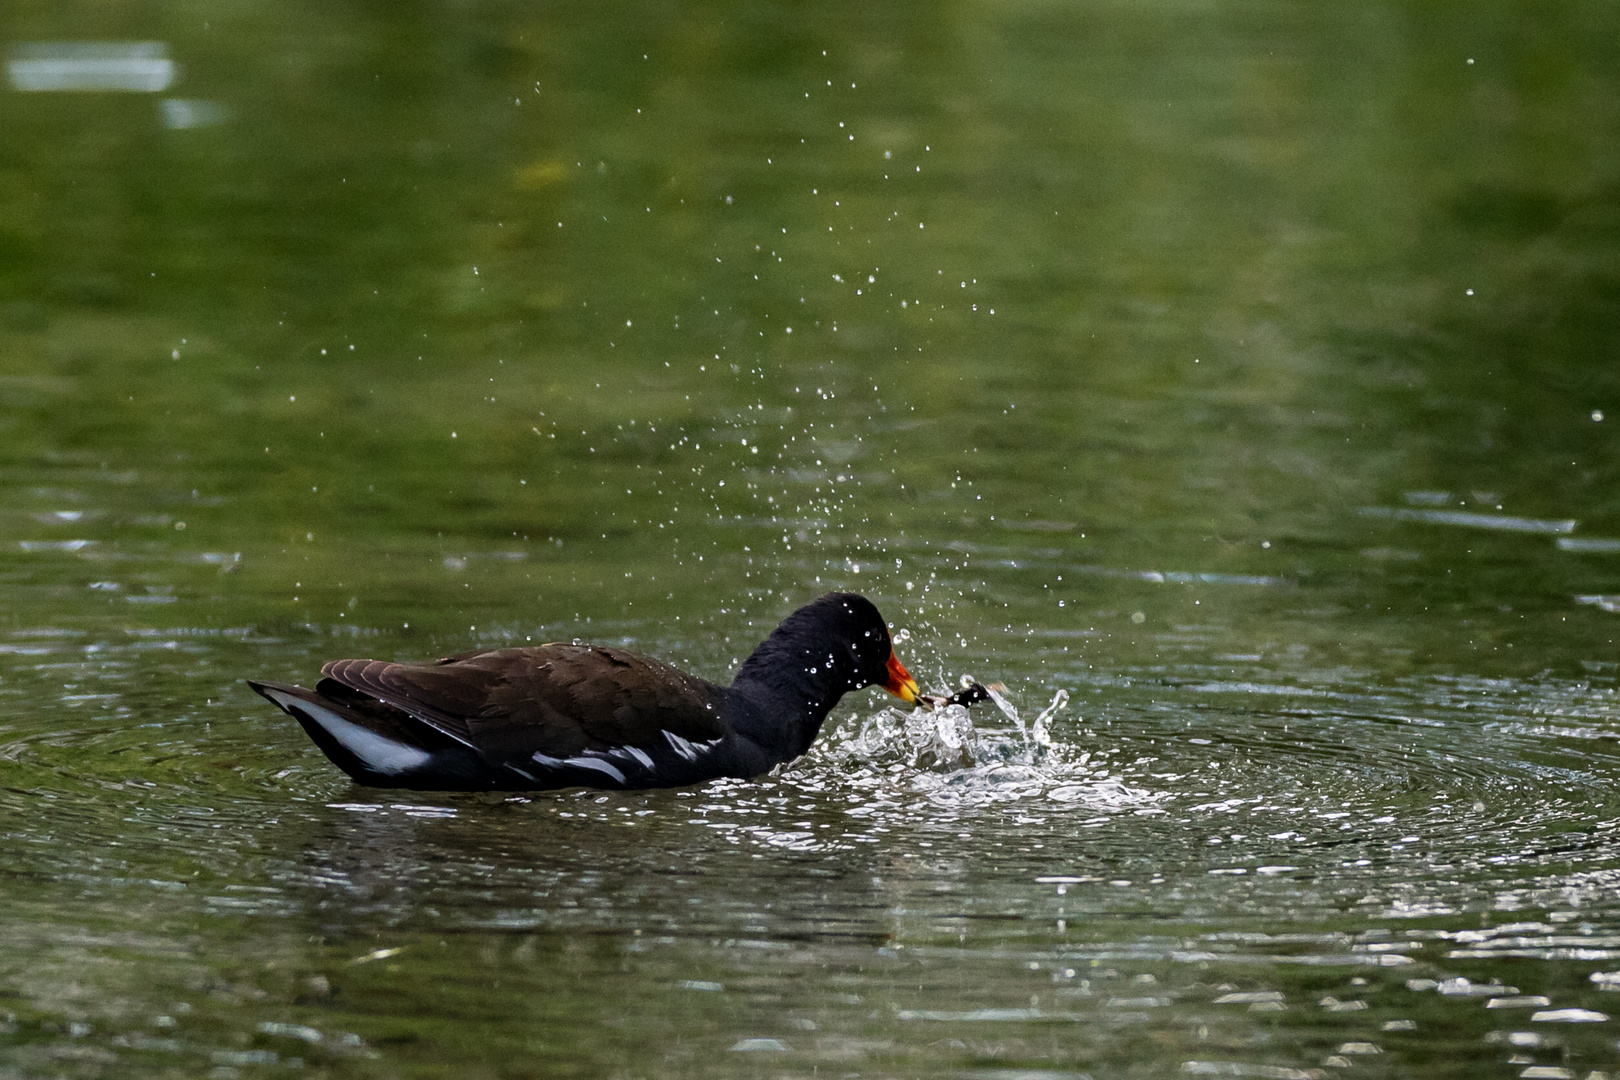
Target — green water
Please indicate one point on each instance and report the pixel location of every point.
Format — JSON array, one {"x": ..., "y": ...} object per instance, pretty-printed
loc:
[{"x": 1247, "y": 372}]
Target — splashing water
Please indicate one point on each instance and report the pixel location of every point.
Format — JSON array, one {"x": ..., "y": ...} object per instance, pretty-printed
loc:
[
  {"x": 945, "y": 738},
  {"x": 942, "y": 754},
  {"x": 1038, "y": 736}
]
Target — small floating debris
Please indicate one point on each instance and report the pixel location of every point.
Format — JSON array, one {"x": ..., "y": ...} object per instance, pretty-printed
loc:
[{"x": 379, "y": 954}]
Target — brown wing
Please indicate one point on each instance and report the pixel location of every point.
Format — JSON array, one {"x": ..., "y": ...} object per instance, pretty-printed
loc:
[{"x": 557, "y": 700}]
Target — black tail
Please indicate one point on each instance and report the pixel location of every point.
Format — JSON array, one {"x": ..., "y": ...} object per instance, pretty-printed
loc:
[{"x": 370, "y": 745}]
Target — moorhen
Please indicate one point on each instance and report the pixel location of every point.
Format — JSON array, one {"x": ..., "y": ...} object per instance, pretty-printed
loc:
[{"x": 555, "y": 716}]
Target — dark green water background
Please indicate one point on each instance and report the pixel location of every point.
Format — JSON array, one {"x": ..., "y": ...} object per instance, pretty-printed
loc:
[{"x": 1239, "y": 368}]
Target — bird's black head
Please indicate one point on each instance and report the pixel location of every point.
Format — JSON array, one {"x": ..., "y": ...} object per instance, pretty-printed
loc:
[
  {"x": 841, "y": 633},
  {"x": 822, "y": 651}
]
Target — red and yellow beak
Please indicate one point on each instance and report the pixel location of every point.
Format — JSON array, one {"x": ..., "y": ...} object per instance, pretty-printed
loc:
[{"x": 900, "y": 683}]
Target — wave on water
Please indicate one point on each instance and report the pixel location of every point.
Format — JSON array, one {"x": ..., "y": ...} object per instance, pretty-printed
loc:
[{"x": 943, "y": 755}]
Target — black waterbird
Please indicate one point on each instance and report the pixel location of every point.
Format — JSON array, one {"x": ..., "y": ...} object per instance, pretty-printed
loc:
[{"x": 554, "y": 716}]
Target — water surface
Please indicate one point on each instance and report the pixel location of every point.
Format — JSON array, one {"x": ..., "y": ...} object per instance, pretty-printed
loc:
[{"x": 1238, "y": 380}]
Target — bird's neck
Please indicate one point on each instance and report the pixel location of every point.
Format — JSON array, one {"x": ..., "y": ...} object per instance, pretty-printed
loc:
[
  {"x": 788, "y": 690},
  {"x": 780, "y": 720}
]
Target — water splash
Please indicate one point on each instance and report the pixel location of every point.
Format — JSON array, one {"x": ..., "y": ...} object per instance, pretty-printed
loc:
[
  {"x": 945, "y": 756},
  {"x": 1038, "y": 736},
  {"x": 945, "y": 738}
]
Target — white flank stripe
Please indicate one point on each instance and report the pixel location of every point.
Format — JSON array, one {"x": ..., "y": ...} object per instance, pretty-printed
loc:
[
  {"x": 681, "y": 746},
  {"x": 598, "y": 764},
  {"x": 380, "y": 753},
  {"x": 595, "y": 763}
]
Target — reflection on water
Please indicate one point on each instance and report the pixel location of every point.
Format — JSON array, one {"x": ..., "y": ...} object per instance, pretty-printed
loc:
[
  {"x": 134, "y": 66},
  {"x": 1472, "y": 520},
  {"x": 179, "y": 113},
  {"x": 1228, "y": 383}
]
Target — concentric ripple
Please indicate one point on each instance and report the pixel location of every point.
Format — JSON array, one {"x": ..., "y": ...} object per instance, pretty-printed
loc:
[{"x": 1144, "y": 853}]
